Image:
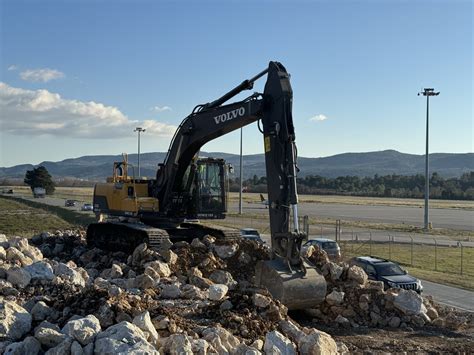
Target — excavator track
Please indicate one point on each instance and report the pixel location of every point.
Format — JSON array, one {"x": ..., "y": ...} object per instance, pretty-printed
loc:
[
  {"x": 219, "y": 232},
  {"x": 125, "y": 237}
]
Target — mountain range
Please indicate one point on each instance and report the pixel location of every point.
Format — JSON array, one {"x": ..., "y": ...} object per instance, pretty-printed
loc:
[{"x": 98, "y": 167}]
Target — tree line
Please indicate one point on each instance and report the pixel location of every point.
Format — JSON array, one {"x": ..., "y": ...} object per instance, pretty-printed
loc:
[{"x": 413, "y": 186}]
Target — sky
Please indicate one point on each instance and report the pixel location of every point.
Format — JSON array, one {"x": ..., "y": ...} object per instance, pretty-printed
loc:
[{"x": 76, "y": 77}]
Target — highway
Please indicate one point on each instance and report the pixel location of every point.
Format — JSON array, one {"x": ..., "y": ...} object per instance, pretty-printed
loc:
[{"x": 449, "y": 296}]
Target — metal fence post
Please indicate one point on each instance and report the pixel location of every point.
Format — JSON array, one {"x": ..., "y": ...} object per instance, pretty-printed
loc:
[
  {"x": 411, "y": 262},
  {"x": 389, "y": 247},
  {"x": 462, "y": 254},
  {"x": 370, "y": 244},
  {"x": 436, "y": 254}
]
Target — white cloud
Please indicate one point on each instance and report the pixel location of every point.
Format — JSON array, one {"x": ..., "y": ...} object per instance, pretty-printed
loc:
[
  {"x": 12, "y": 67},
  {"x": 41, "y": 75},
  {"x": 38, "y": 112},
  {"x": 318, "y": 118},
  {"x": 160, "y": 108}
]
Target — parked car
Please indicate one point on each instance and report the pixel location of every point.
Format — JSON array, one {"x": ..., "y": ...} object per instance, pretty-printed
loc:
[
  {"x": 251, "y": 234},
  {"x": 87, "y": 207},
  {"x": 389, "y": 272},
  {"x": 331, "y": 247},
  {"x": 70, "y": 203}
]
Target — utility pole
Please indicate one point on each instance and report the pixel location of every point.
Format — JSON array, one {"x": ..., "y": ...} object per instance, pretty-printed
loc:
[
  {"x": 139, "y": 130},
  {"x": 241, "y": 174},
  {"x": 427, "y": 92}
]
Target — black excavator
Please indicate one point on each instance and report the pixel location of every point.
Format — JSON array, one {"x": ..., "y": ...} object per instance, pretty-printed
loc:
[{"x": 133, "y": 210}]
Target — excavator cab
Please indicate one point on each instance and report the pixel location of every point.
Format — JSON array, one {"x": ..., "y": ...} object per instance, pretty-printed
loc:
[{"x": 212, "y": 184}]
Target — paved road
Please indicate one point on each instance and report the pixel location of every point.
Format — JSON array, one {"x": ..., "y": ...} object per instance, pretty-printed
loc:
[
  {"x": 441, "y": 218},
  {"x": 55, "y": 201},
  {"x": 450, "y": 296}
]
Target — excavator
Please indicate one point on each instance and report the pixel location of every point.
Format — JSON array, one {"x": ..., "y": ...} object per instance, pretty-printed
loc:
[{"x": 186, "y": 189}]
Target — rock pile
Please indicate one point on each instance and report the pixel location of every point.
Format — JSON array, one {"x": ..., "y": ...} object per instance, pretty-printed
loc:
[
  {"x": 354, "y": 301},
  {"x": 57, "y": 296}
]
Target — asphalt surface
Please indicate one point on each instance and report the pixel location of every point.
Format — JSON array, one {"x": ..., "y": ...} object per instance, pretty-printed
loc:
[
  {"x": 441, "y": 218},
  {"x": 54, "y": 201},
  {"x": 450, "y": 296}
]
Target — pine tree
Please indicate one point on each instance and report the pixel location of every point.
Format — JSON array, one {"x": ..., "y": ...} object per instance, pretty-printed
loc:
[{"x": 40, "y": 177}]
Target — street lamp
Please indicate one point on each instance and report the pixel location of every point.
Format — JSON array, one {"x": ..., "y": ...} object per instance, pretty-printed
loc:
[
  {"x": 427, "y": 92},
  {"x": 139, "y": 130}
]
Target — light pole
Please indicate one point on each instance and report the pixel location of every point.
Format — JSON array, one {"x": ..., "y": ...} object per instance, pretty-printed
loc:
[
  {"x": 427, "y": 92},
  {"x": 241, "y": 174},
  {"x": 139, "y": 130}
]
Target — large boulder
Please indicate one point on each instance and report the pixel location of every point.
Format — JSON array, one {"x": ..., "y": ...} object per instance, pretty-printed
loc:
[
  {"x": 40, "y": 270},
  {"x": 226, "y": 251},
  {"x": 357, "y": 274},
  {"x": 18, "y": 277},
  {"x": 41, "y": 311},
  {"x": 223, "y": 277},
  {"x": 409, "y": 302},
  {"x": 277, "y": 344},
  {"x": 49, "y": 337},
  {"x": 125, "y": 338},
  {"x": 14, "y": 255},
  {"x": 4, "y": 241},
  {"x": 62, "y": 348},
  {"x": 143, "y": 321},
  {"x": 15, "y": 321},
  {"x": 260, "y": 300},
  {"x": 29, "y": 346},
  {"x": 144, "y": 282},
  {"x": 332, "y": 270},
  {"x": 335, "y": 298},
  {"x": 217, "y": 292},
  {"x": 28, "y": 250},
  {"x": 83, "y": 330},
  {"x": 221, "y": 340},
  {"x": 317, "y": 343},
  {"x": 178, "y": 344},
  {"x": 170, "y": 291},
  {"x": 160, "y": 267},
  {"x": 68, "y": 274}
]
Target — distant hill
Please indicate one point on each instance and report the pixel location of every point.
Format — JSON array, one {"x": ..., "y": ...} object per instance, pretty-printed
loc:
[{"x": 98, "y": 167}]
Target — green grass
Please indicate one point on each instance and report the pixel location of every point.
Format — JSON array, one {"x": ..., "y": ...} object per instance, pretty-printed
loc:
[
  {"x": 29, "y": 217},
  {"x": 19, "y": 219},
  {"x": 360, "y": 200},
  {"x": 437, "y": 264}
]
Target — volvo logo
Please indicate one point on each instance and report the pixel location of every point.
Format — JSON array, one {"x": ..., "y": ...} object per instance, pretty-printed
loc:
[{"x": 238, "y": 112}]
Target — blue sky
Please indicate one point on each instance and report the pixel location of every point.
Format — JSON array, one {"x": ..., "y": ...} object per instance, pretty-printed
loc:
[{"x": 78, "y": 76}]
